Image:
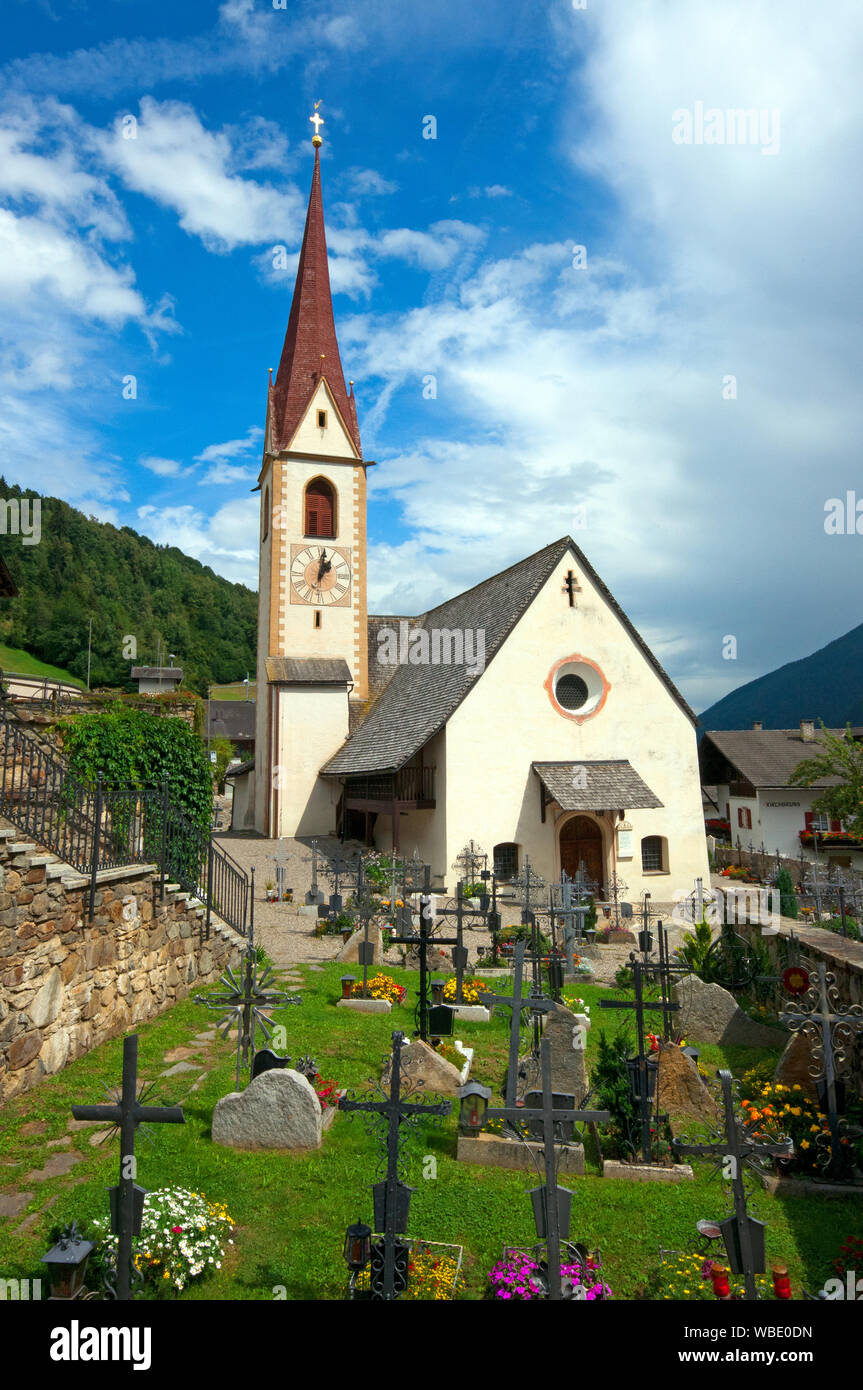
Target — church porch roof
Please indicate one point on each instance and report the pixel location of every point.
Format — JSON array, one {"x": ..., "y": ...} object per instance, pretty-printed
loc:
[{"x": 608, "y": 785}]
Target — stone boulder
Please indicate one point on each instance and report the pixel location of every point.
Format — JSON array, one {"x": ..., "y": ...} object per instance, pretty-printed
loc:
[
  {"x": 278, "y": 1110},
  {"x": 568, "y": 1038},
  {"x": 709, "y": 1014},
  {"x": 682, "y": 1090},
  {"x": 792, "y": 1069},
  {"x": 423, "y": 1067},
  {"x": 349, "y": 953},
  {"x": 437, "y": 960}
]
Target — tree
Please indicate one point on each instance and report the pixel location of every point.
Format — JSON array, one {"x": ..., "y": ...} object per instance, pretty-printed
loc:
[
  {"x": 839, "y": 756},
  {"x": 787, "y": 896}
]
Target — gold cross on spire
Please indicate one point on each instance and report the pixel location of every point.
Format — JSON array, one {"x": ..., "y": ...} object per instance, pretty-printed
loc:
[{"x": 317, "y": 121}]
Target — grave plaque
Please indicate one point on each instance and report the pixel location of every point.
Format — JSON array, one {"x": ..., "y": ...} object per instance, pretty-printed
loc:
[{"x": 564, "y": 1130}]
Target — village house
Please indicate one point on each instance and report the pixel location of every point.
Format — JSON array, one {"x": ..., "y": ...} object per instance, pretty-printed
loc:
[{"x": 748, "y": 772}]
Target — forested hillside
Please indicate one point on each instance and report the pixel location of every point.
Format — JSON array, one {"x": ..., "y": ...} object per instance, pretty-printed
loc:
[{"x": 82, "y": 568}]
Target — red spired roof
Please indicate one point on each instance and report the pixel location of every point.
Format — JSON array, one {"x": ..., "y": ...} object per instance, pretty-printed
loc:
[{"x": 311, "y": 332}]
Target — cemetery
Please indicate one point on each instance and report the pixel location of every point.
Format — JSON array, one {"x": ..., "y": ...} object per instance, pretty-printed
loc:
[{"x": 669, "y": 1114}]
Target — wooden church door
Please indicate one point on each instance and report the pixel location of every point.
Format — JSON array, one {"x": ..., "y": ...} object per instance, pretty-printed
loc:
[{"x": 581, "y": 843}]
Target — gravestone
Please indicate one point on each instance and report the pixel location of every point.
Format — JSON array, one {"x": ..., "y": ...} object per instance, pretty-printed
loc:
[
  {"x": 792, "y": 1069},
  {"x": 277, "y": 1110},
  {"x": 267, "y": 1060},
  {"x": 350, "y": 952},
  {"x": 421, "y": 1063},
  {"x": 709, "y": 1014},
  {"x": 682, "y": 1090},
  {"x": 567, "y": 1039}
]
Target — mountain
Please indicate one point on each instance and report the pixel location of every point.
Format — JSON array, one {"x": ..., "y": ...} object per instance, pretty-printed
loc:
[
  {"x": 827, "y": 685},
  {"x": 133, "y": 590}
]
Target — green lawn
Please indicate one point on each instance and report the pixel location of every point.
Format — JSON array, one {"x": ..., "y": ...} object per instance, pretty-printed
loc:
[
  {"x": 23, "y": 664},
  {"x": 291, "y": 1211},
  {"x": 235, "y": 691}
]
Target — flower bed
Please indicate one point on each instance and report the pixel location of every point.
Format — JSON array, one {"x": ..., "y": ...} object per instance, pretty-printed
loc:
[
  {"x": 683, "y": 1276},
  {"x": 472, "y": 990},
  {"x": 774, "y": 1110},
  {"x": 433, "y": 1272},
  {"x": 183, "y": 1235},
  {"x": 380, "y": 987},
  {"x": 522, "y": 1276}
]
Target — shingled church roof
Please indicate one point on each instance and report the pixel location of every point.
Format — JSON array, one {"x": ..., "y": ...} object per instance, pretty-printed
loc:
[{"x": 419, "y": 700}]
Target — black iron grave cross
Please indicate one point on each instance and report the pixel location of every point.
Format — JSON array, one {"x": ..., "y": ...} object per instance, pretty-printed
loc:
[
  {"x": 126, "y": 1113},
  {"x": 393, "y": 1194},
  {"x": 246, "y": 1004},
  {"x": 831, "y": 1031},
  {"x": 571, "y": 586},
  {"x": 517, "y": 1001},
  {"x": 549, "y": 1201},
  {"x": 639, "y": 1004},
  {"x": 735, "y": 1147}
]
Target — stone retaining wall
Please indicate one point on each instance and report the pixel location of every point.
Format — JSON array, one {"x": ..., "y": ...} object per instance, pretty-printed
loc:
[{"x": 67, "y": 984}]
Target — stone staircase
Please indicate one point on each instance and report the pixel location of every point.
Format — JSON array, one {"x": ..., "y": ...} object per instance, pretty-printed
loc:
[{"x": 25, "y": 856}]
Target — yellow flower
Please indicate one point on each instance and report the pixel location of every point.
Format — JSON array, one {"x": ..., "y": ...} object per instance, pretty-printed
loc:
[{"x": 804, "y": 1143}]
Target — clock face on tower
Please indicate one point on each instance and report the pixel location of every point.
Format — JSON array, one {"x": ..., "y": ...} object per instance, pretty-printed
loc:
[{"x": 320, "y": 574}]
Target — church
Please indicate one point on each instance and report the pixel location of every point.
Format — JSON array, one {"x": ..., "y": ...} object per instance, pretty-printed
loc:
[{"x": 526, "y": 714}]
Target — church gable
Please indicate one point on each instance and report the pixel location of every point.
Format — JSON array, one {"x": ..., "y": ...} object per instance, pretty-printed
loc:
[{"x": 322, "y": 430}]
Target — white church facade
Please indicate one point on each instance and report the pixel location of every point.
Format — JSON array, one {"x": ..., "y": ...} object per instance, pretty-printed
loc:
[{"x": 526, "y": 714}]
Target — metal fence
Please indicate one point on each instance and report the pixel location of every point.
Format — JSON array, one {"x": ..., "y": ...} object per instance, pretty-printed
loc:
[{"x": 93, "y": 827}]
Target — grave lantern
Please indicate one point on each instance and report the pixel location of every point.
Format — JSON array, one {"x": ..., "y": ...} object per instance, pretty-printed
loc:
[
  {"x": 645, "y": 942},
  {"x": 721, "y": 1285},
  {"x": 555, "y": 975},
  {"x": 347, "y": 983},
  {"x": 358, "y": 1246},
  {"x": 730, "y": 1228},
  {"x": 781, "y": 1282},
  {"x": 473, "y": 1104},
  {"x": 67, "y": 1265},
  {"x": 437, "y": 991}
]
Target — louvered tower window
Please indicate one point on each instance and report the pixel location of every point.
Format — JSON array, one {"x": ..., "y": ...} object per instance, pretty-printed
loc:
[{"x": 320, "y": 509}]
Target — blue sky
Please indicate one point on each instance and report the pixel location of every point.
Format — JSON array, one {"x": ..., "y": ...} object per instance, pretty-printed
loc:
[{"x": 573, "y": 393}]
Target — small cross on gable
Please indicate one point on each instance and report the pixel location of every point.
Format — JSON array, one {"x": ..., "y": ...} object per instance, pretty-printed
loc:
[{"x": 572, "y": 587}]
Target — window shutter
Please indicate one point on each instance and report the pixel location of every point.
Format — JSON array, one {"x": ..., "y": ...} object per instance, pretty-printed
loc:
[
  {"x": 835, "y": 825},
  {"x": 809, "y": 817}
]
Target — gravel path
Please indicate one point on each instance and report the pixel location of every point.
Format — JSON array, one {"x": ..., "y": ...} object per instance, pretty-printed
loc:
[{"x": 288, "y": 935}]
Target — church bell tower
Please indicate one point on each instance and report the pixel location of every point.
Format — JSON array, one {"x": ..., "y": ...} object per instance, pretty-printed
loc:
[{"x": 312, "y": 606}]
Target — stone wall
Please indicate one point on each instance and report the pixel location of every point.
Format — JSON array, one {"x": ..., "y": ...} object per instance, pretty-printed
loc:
[{"x": 67, "y": 984}]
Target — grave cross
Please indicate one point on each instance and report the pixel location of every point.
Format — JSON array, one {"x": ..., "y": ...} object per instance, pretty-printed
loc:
[
  {"x": 470, "y": 862},
  {"x": 365, "y": 911},
  {"x": 736, "y": 1148},
  {"x": 421, "y": 942},
  {"x": 314, "y": 895},
  {"x": 395, "y": 1109},
  {"x": 246, "y": 1003},
  {"x": 517, "y": 1001},
  {"x": 550, "y": 1119},
  {"x": 831, "y": 1033},
  {"x": 572, "y": 587},
  {"x": 281, "y": 861},
  {"x": 639, "y": 1004},
  {"x": 527, "y": 880},
  {"x": 663, "y": 971},
  {"x": 460, "y": 951},
  {"x": 126, "y": 1114}
]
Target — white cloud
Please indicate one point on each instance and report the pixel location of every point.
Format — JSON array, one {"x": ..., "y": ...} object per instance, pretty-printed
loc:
[
  {"x": 369, "y": 183},
  {"x": 432, "y": 250},
  {"x": 178, "y": 163},
  {"x": 227, "y": 541},
  {"x": 165, "y": 468},
  {"x": 231, "y": 448}
]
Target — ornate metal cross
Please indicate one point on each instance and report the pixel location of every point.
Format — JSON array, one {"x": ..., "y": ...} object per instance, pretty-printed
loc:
[
  {"x": 126, "y": 1113},
  {"x": 314, "y": 896},
  {"x": 247, "y": 1003},
  {"x": 517, "y": 1001},
  {"x": 470, "y": 862},
  {"x": 529, "y": 885},
  {"x": 549, "y": 1194},
  {"x": 831, "y": 1031},
  {"x": 735, "y": 1147},
  {"x": 395, "y": 1109},
  {"x": 639, "y": 1004}
]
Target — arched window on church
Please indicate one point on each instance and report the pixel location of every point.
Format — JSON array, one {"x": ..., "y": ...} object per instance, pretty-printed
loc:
[
  {"x": 265, "y": 515},
  {"x": 320, "y": 508}
]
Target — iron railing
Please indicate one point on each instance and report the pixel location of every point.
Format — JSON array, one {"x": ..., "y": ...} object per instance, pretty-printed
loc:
[{"x": 93, "y": 827}]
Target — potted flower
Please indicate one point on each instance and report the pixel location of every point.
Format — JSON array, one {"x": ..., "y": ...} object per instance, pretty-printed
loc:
[{"x": 270, "y": 889}]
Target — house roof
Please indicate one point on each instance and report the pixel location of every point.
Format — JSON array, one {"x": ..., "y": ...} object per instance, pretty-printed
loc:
[
  {"x": 283, "y": 670},
  {"x": 241, "y": 769},
  {"x": 157, "y": 673},
  {"x": 418, "y": 700},
  {"x": 607, "y": 785},
  {"x": 764, "y": 757},
  {"x": 233, "y": 719},
  {"x": 311, "y": 336}
]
